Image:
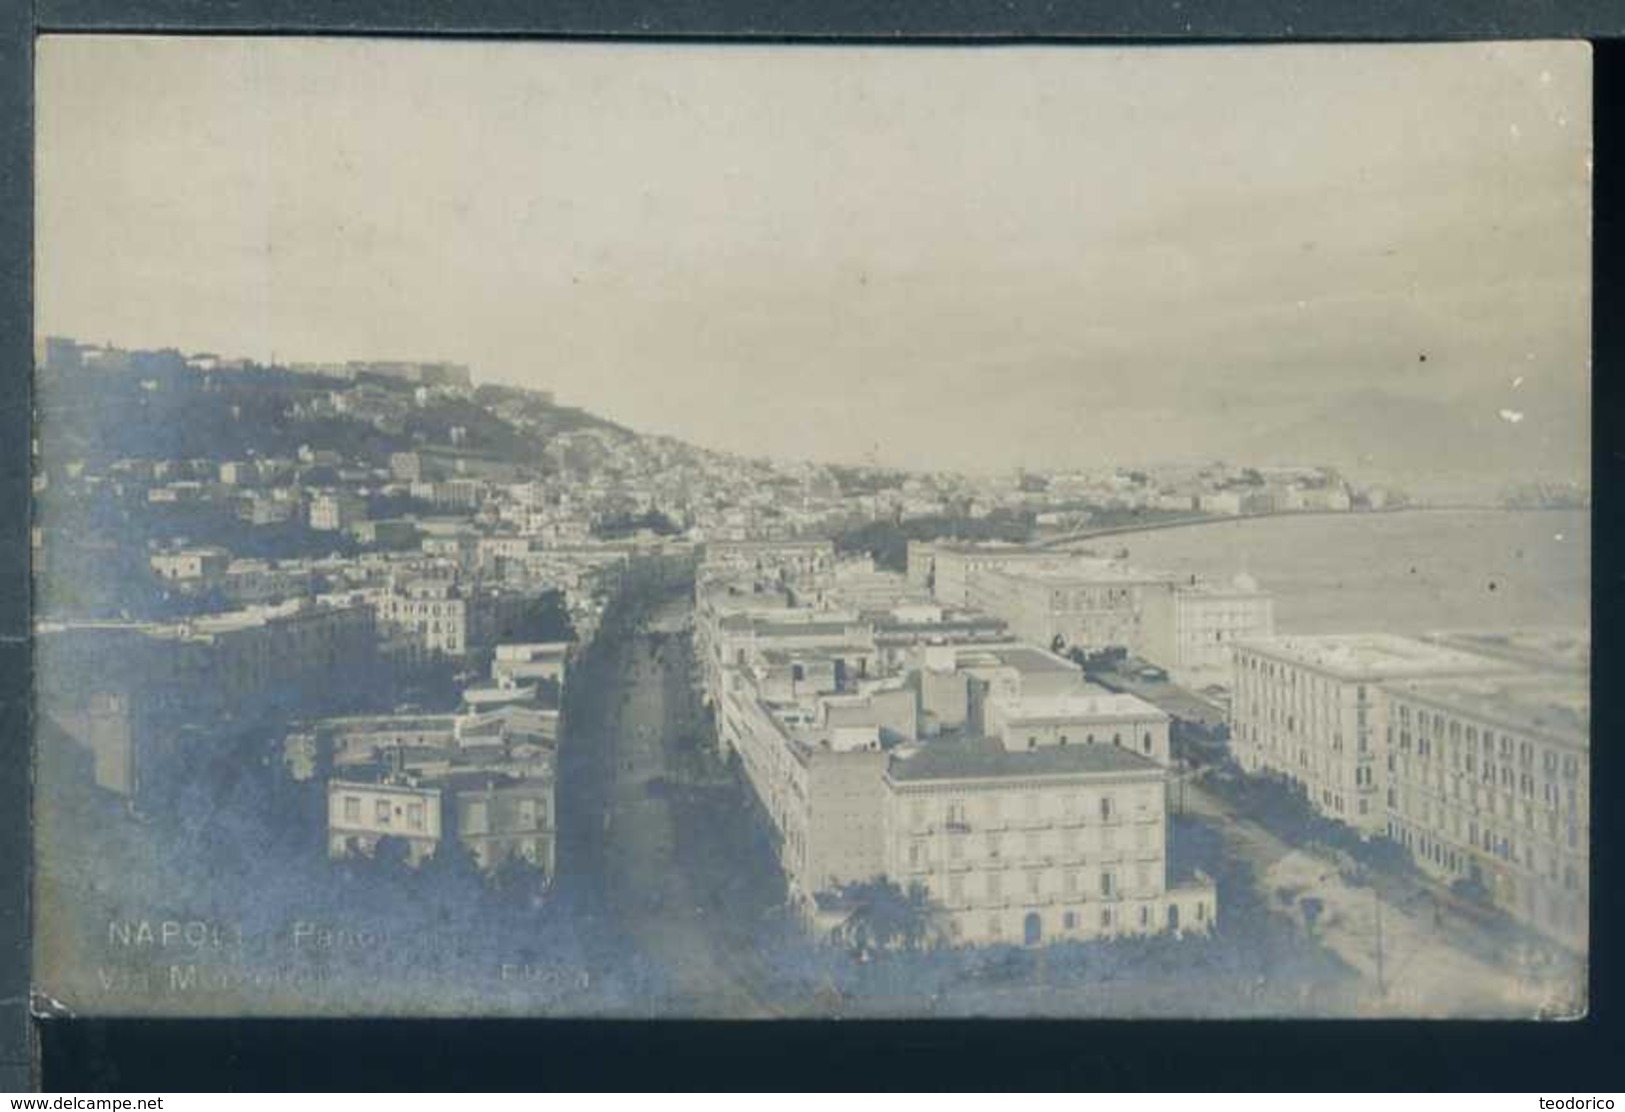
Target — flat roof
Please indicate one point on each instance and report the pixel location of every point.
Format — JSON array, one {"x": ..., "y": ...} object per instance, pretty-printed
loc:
[
  {"x": 1551, "y": 706},
  {"x": 1072, "y": 706},
  {"x": 1560, "y": 649},
  {"x": 973, "y": 758},
  {"x": 1373, "y": 656},
  {"x": 1084, "y": 572},
  {"x": 1023, "y": 658}
]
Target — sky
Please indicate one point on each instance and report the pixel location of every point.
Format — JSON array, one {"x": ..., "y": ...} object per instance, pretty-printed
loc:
[{"x": 973, "y": 258}]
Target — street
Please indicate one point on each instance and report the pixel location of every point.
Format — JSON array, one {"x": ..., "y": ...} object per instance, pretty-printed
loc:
[
  {"x": 676, "y": 907},
  {"x": 1420, "y": 952}
]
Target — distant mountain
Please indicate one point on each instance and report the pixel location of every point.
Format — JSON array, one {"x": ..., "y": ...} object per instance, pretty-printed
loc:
[{"x": 1473, "y": 445}]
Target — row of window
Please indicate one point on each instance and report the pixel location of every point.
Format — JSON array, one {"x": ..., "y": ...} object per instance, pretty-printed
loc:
[
  {"x": 1107, "y": 884},
  {"x": 385, "y": 811},
  {"x": 1461, "y": 748},
  {"x": 1033, "y": 845},
  {"x": 957, "y": 813},
  {"x": 1072, "y": 919}
]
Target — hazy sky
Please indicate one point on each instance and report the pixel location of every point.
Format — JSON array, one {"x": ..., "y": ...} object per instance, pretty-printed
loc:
[{"x": 955, "y": 257}]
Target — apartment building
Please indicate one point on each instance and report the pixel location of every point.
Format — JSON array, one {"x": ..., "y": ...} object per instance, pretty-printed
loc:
[
  {"x": 487, "y": 779},
  {"x": 818, "y": 785},
  {"x": 361, "y": 814},
  {"x": 777, "y": 559},
  {"x": 1309, "y": 708},
  {"x": 447, "y": 617},
  {"x": 335, "y": 511},
  {"x": 944, "y": 568},
  {"x": 1083, "y": 603},
  {"x": 1489, "y": 784},
  {"x": 191, "y": 568},
  {"x": 139, "y": 696},
  {"x": 1088, "y": 716},
  {"x": 1037, "y": 845},
  {"x": 1190, "y": 628}
]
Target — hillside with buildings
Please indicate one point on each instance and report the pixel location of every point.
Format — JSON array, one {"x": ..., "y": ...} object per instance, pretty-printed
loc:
[{"x": 434, "y": 637}]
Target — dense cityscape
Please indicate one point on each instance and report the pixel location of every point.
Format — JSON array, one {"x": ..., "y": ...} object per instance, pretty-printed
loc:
[{"x": 363, "y": 686}]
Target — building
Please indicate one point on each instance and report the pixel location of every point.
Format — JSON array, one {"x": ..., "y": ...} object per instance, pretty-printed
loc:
[
  {"x": 1037, "y": 845},
  {"x": 392, "y": 533},
  {"x": 360, "y": 814},
  {"x": 192, "y": 568},
  {"x": 1088, "y": 716},
  {"x": 1308, "y": 708},
  {"x": 334, "y": 511},
  {"x": 487, "y": 779},
  {"x": 1489, "y": 786},
  {"x": 1082, "y": 603},
  {"x": 781, "y": 559},
  {"x": 1190, "y": 628},
  {"x": 141, "y": 698},
  {"x": 446, "y": 617},
  {"x": 406, "y": 467},
  {"x": 944, "y": 568},
  {"x": 540, "y": 662},
  {"x": 819, "y": 787}
]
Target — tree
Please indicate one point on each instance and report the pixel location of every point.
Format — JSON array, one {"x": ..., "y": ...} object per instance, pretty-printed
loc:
[
  {"x": 519, "y": 883},
  {"x": 886, "y": 917}
]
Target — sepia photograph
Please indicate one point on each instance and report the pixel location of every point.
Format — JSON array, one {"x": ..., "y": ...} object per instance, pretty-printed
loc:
[{"x": 810, "y": 531}]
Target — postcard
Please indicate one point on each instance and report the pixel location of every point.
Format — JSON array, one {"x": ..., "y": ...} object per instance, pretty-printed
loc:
[{"x": 562, "y": 528}]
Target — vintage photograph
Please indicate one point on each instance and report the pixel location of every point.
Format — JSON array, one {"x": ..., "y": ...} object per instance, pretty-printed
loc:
[{"x": 565, "y": 528}]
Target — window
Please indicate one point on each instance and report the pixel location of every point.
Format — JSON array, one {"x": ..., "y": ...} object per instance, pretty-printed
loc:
[
  {"x": 352, "y": 808},
  {"x": 1105, "y": 808},
  {"x": 1106, "y": 918},
  {"x": 1107, "y": 883},
  {"x": 380, "y": 811},
  {"x": 1069, "y": 920},
  {"x": 414, "y": 815}
]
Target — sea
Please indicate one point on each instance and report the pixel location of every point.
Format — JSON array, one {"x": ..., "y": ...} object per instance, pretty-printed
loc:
[{"x": 1407, "y": 571}]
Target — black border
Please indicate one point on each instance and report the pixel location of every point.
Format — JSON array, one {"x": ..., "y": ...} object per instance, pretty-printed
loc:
[{"x": 81, "y": 1055}]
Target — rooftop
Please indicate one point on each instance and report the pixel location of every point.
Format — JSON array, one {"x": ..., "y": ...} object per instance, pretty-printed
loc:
[
  {"x": 1023, "y": 658},
  {"x": 1072, "y": 706},
  {"x": 1373, "y": 656},
  {"x": 964, "y": 758},
  {"x": 1555, "y": 707},
  {"x": 1080, "y": 572},
  {"x": 1559, "y": 650}
]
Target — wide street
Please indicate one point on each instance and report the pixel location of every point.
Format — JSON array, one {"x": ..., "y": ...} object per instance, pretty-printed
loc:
[
  {"x": 676, "y": 900},
  {"x": 1420, "y": 950}
]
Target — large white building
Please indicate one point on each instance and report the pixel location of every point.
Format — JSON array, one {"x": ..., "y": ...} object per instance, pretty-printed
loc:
[
  {"x": 1038, "y": 845},
  {"x": 944, "y": 568},
  {"x": 1190, "y": 629},
  {"x": 1083, "y": 603},
  {"x": 1489, "y": 783},
  {"x": 1308, "y": 708}
]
